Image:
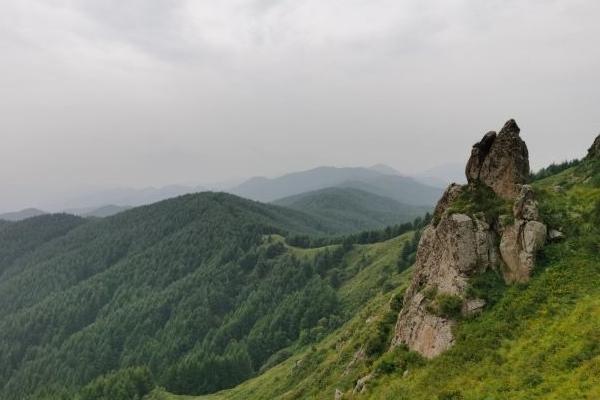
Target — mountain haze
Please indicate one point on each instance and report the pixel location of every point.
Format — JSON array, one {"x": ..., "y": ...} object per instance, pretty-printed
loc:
[
  {"x": 21, "y": 215},
  {"x": 404, "y": 189}
]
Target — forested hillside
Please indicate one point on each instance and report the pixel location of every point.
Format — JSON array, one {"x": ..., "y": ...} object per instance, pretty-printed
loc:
[
  {"x": 205, "y": 292},
  {"x": 535, "y": 340},
  {"x": 352, "y": 210},
  {"x": 195, "y": 294}
]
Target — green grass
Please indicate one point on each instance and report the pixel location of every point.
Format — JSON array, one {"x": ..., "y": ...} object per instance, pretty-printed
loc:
[{"x": 539, "y": 340}]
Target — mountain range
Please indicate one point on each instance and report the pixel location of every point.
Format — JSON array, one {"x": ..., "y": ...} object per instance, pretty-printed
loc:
[
  {"x": 210, "y": 291},
  {"x": 401, "y": 188}
]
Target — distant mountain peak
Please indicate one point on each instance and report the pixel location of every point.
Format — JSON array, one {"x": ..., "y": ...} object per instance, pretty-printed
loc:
[
  {"x": 384, "y": 169},
  {"x": 21, "y": 215},
  {"x": 399, "y": 187}
]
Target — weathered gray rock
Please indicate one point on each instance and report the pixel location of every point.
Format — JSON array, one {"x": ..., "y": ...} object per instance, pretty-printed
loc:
[
  {"x": 525, "y": 206},
  {"x": 448, "y": 255},
  {"x": 361, "y": 384},
  {"x": 518, "y": 247},
  {"x": 521, "y": 241},
  {"x": 339, "y": 395},
  {"x": 555, "y": 235},
  {"x": 594, "y": 151},
  {"x": 473, "y": 306},
  {"x": 450, "y": 194},
  {"x": 500, "y": 161}
]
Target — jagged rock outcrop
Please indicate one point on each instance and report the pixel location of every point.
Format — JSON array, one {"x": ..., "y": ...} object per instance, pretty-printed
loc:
[
  {"x": 455, "y": 247},
  {"x": 521, "y": 240},
  {"x": 500, "y": 161},
  {"x": 594, "y": 151},
  {"x": 449, "y": 254}
]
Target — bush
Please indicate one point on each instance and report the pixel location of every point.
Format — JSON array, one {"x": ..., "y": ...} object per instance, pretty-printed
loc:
[
  {"x": 399, "y": 359},
  {"x": 479, "y": 198},
  {"x": 449, "y": 305},
  {"x": 446, "y": 305},
  {"x": 379, "y": 340},
  {"x": 397, "y": 301},
  {"x": 488, "y": 286}
]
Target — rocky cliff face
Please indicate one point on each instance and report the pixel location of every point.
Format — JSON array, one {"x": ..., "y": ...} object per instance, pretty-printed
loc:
[{"x": 458, "y": 245}]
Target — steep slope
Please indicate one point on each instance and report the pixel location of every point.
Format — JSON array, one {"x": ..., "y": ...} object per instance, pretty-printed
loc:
[
  {"x": 21, "y": 215},
  {"x": 403, "y": 189},
  {"x": 197, "y": 292},
  {"x": 352, "y": 209},
  {"x": 533, "y": 340}
]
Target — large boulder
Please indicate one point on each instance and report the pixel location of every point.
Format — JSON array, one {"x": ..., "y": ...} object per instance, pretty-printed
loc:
[
  {"x": 521, "y": 240},
  {"x": 519, "y": 244},
  {"x": 594, "y": 151},
  {"x": 500, "y": 161}
]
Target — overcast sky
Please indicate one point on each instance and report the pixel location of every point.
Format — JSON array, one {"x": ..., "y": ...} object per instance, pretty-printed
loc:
[{"x": 152, "y": 92}]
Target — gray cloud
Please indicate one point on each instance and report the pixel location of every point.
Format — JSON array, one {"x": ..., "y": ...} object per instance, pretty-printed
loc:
[{"x": 155, "y": 92}]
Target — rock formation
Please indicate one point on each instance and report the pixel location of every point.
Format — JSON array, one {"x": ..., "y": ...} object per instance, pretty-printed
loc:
[
  {"x": 594, "y": 151},
  {"x": 448, "y": 255},
  {"x": 500, "y": 161},
  {"x": 456, "y": 246},
  {"x": 522, "y": 239}
]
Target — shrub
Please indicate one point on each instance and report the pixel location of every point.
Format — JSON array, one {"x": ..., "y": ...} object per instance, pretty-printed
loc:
[
  {"x": 488, "y": 286},
  {"x": 379, "y": 340},
  {"x": 397, "y": 301},
  {"x": 479, "y": 198},
  {"x": 449, "y": 305},
  {"x": 446, "y": 305},
  {"x": 399, "y": 359}
]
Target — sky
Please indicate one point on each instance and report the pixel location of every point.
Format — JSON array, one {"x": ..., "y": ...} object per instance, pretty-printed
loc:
[{"x": 104, "y": 93}]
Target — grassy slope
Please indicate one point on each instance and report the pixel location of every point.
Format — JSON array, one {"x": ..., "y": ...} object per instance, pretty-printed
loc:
[
  {"x": 352, "y": 210},
  {"x": 540, "y": 340}
]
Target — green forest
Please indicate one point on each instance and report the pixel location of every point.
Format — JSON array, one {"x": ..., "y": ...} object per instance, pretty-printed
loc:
[{"x": 193, "y": 294}]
